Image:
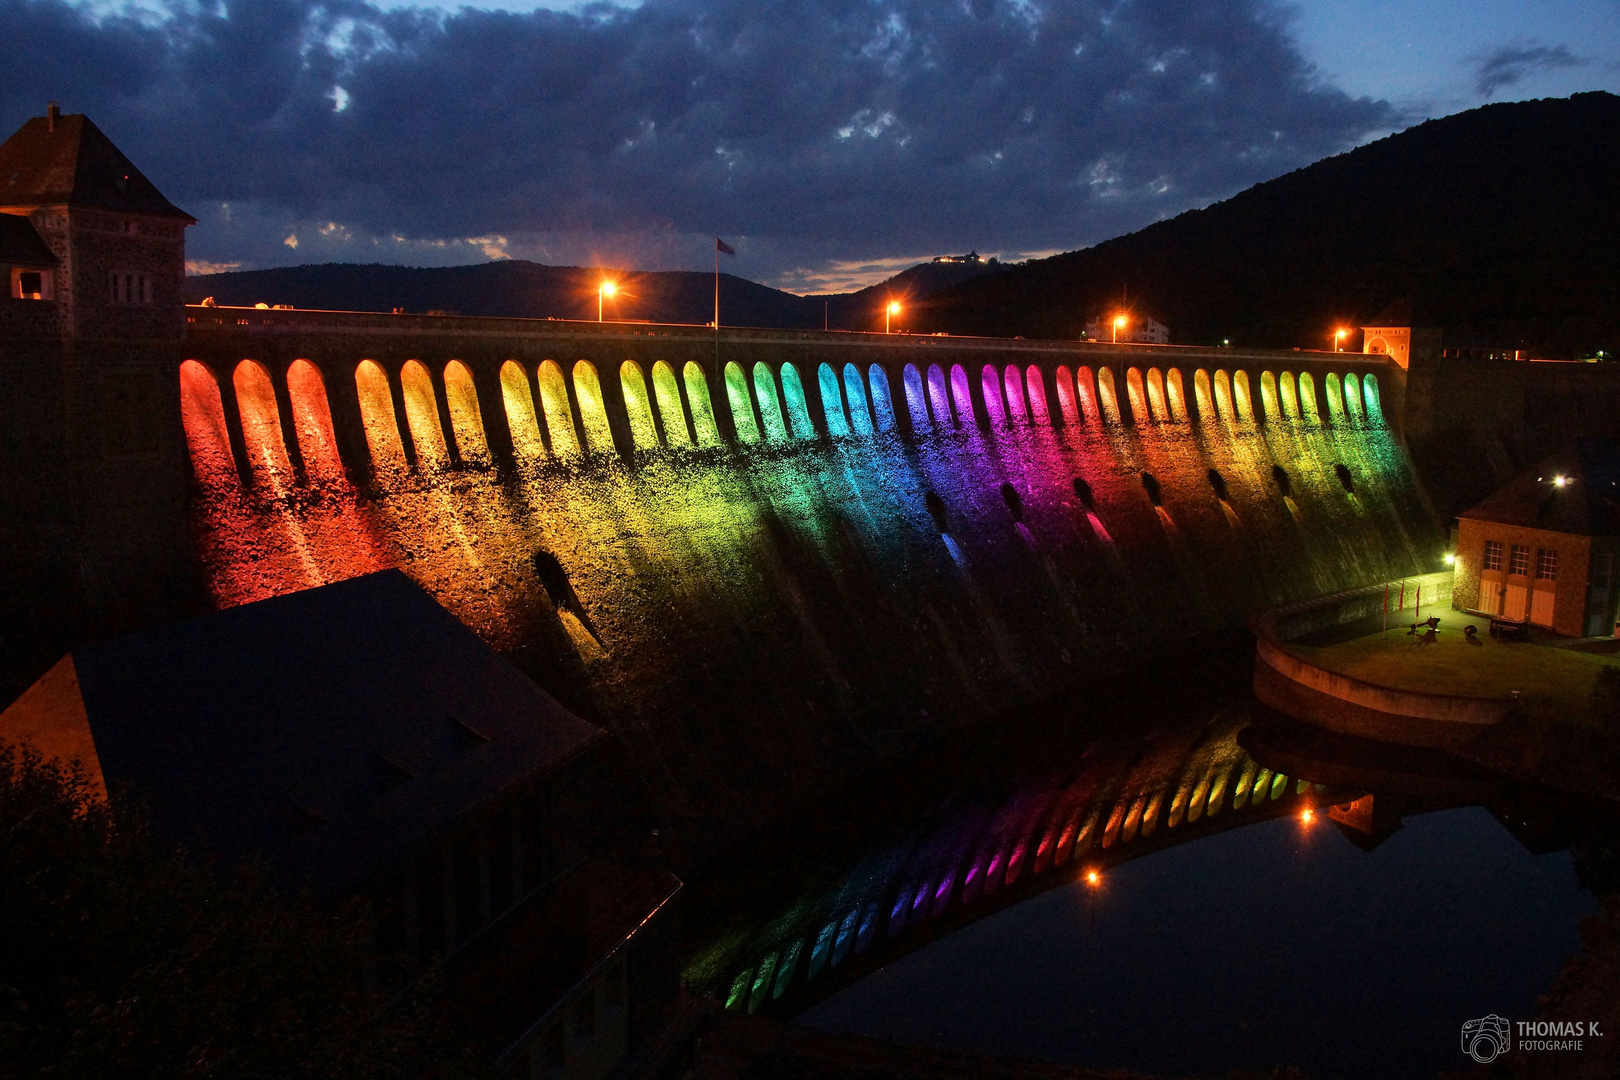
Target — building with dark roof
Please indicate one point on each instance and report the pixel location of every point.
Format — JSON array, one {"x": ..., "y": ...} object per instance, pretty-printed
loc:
[
  {"x": 357, "y": 739},
  {"x": 1543, "y": 548},
  {"x": 117, "y": 246}
]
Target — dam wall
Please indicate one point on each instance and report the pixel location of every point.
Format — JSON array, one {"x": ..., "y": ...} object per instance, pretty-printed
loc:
[{"x": 767, "y": 561}]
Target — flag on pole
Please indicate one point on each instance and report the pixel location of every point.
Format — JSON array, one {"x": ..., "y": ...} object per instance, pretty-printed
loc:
[{"x": 721, "y": 245}]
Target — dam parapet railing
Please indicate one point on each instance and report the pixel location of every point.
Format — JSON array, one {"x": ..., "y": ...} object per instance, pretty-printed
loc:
[
  {"x": 1304, "y": 690},
  {"x": 460, "y": 391}
]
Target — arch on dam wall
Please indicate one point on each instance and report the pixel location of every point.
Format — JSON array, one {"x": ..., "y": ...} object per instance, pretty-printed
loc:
[
  {"x": 882, "y": 400},
  {"x": 1372, "y": 404},
  {"x": 962, "y": 396},
  {"x": 742, "y": 407},
  {"x": 378, "y": 418},
  {"x": 1335, "y": 398},
  {"x": 1288, "y": 395},
  {"x": 466, "y": 422},
  {"x": 1203, "y": 396},
  {"x": 1012, "y": 381},
  {"x": 1175, "y": 395},
  {"x": 312, "y": 423},
  {"x": 202, "y": 414},
  {"x": 860, "y": 411},
  {"x": 1136, "y": 390},
  {"x": 1040, "y": 412},
  {"x": 1308, "y": 410},
  {"x": 422, "y": 416},
  {"x": 916, "y": 398},
  {"x": 1065, "y": 394},
  {"x": 990, "y": 386},
  {"x": 939, "y": 396},
  {"x": 638, "y": 406},
  {"x": 770, "y": 410},
  {"x": 1242, "y": 398},
  {"x": 559, "y": 415},
  {"x": 1224, "y": 405},
  {"x": 832, "y": 402},
  {"x": 798, "y": 410},
  {"x": 592, "y": 409},
  {"x": 1108, "y": 397},
  {"x": 1352, "y": 397},
  {"x": 1156, "y": 395},
  {"x": 1085, "y": 385},
  {"x": 1268, "y": 396},
  {"x": 697, "y": 396},
  {"x": 261, "y": 424},
  {"x": 668, "y": 392},
  {"x": 520, "y": 416}
]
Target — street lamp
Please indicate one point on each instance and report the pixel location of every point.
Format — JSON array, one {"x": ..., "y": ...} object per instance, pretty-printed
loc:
[
  {"x": 606, "y": 288},
  {"x": 889, "y": 313},
  {"x": 1120, "y": 322},
  {"x": 1338, "y": 339}
]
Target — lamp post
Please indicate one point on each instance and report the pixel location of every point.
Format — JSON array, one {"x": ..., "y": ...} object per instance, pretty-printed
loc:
[
  {"x": 889, "y": 313},
  {"x": 1119, "y": 324},
  {"x": 606, "y": 288},
  {"x": 1338, "y": 339}
]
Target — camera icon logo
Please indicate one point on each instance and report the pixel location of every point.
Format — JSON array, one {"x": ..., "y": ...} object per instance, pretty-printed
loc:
[{"x": 1485, "y": 1038}]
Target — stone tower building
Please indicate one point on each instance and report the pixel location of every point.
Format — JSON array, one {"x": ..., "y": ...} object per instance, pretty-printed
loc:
[{"x": 108, "y": 252}]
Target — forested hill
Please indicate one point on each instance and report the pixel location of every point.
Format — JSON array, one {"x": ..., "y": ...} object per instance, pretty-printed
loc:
[
  {"x": 1502, "y": 222},
  {"x": 532, "y": 290}
]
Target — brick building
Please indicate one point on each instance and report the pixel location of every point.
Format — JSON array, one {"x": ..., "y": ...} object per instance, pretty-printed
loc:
[
  {"x": 117, "y": 247},
  {"x": 1544, "y": 548}
]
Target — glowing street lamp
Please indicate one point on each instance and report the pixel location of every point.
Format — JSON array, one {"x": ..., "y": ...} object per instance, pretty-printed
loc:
[
  {"x": 1120, "y": 322},
  {"x": 1093, "y": 878},
  {"x": 606, "y": 288},
  {"x": 1338, "y": 339},
  {"x": 1307, "y": 816},
  {"x": 889, "y": 313}
]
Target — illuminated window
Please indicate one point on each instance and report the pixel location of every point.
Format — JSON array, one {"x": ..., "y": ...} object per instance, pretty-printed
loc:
[
  {"x": 1546, "y": 564},
  {"x": 1521, "y": 561},
  {"x": 1493, "y": 554}
]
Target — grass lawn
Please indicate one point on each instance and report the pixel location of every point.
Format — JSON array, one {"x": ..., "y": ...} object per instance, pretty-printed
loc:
[{"x": 1554, "y": 684}]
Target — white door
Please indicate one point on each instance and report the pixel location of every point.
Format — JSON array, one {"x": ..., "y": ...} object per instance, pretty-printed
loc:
[{"x": 1518, "y": 602}]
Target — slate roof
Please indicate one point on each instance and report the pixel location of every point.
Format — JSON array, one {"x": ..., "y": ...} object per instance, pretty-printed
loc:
[
  {"x": 1588, "y": 503},
  {"x": 21, "y": 245},
  {"x": 72, "y": 162},
  {"x": 329, "y": 732}
]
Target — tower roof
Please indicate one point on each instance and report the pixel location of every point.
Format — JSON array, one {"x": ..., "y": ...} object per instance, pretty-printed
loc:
[{"x": 67, "y": 159}]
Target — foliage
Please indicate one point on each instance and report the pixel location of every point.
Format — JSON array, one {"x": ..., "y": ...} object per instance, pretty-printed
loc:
[{"x": 120, "y": 958}]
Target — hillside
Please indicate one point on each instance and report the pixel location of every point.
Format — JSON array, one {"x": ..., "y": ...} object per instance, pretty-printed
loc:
[
  {"x": 1502, "y": 222},
  {"x": 532, "y": 290}
]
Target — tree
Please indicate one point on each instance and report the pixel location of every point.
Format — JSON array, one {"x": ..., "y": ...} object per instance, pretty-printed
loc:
[{"x": 121, "y": 957}]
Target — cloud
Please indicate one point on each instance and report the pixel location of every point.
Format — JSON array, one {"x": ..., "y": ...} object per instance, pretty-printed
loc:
[
  {"x": 1511, "y": 63},
  {"x": 825, "y": 133}
]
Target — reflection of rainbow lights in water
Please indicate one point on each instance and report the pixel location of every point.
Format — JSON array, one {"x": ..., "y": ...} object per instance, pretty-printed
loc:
[
  {"x": 1070, "y": 817},
  {"x": 811, "y": 563}
]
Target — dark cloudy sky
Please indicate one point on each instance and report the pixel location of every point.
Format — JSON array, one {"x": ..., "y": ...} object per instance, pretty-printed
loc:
[{"x": 828, "y": 140}]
